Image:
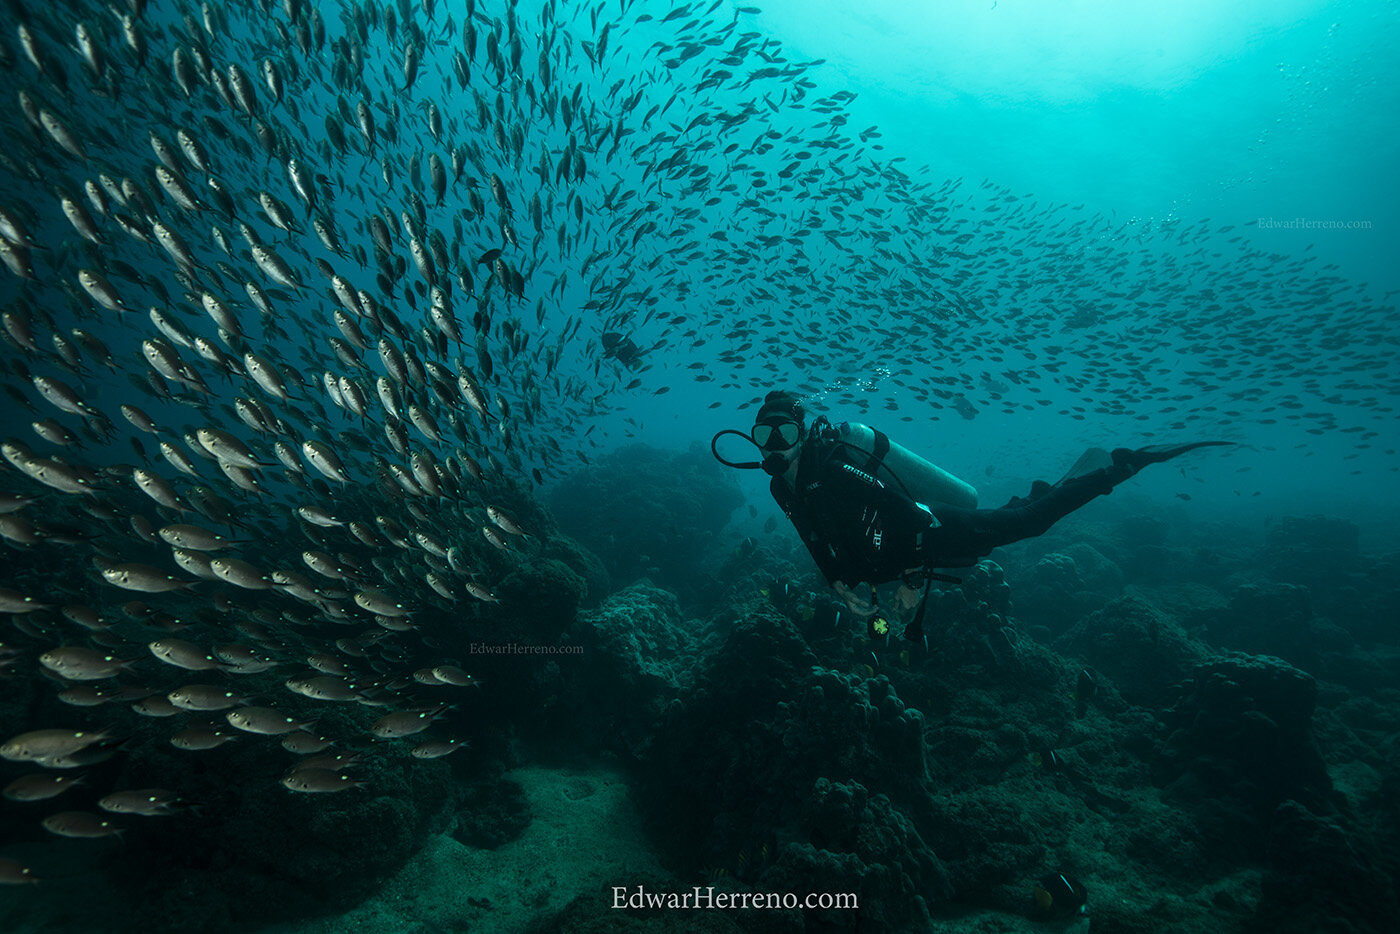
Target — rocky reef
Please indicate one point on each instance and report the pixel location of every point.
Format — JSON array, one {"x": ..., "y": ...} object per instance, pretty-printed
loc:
[
  {"x": 1147, "y": 745},
  {"x": 1198, "y": 756},
  {"x": 648, "y": 512}
]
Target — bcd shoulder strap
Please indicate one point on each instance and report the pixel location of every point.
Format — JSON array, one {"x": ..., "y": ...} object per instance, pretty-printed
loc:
[{"x": 879, "y": 449}]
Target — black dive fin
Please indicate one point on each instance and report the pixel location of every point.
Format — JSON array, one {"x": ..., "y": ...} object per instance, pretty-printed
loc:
[
  {"x": 1156, "y": 453},
  {"x": 1090, "y": 461}
]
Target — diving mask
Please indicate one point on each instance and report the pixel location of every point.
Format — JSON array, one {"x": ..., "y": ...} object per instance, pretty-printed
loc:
[{"x": 776, "y": 435}]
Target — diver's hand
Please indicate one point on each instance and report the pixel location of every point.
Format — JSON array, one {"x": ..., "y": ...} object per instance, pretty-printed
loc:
[
  {"x": 906, "y": 598},
  {"x": 911, "y": 590},
  {"x": 862, "y": 607}
]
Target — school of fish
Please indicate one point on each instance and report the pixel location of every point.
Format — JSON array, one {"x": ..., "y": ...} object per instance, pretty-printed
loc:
[{"x": 298, "y": 293}]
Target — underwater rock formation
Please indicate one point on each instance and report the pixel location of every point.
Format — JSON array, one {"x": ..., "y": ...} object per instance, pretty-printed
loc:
[
  {"x": 1240, "y": 744},
  {"x": 971, "y": 624},
  {"x": 545, "y": 595},
  {"x": 986, "y": 589},
  {"x": 641, "y": 655},
  {"x": 582, "y": 562},
  {"x": 1099, "y": 575},
  {"x": 649, "y": 513},
  {"x": 774, "y": 748},
  {"x": 1048, "y": 592},
  {"x": 765, "y": 720},
  {"x": 1143, "y": 651},
  {"x": 859, "y": 843},
  {"x": 257, "y": 853},
  {"x": 1064, "y": 585},
  {"x": 1324, "y": 878}
]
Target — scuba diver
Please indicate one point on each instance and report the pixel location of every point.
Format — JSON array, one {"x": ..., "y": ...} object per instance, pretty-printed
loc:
[{"x": 871, "y": 512}]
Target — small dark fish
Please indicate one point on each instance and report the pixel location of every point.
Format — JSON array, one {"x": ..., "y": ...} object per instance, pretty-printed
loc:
[
  {"x": 1085, "y": 690},
  {"x": 1059, "y": 896},
  {"x": 621, "y": 348}
]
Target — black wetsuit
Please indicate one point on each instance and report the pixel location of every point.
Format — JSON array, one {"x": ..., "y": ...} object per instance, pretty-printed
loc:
[{"x": 861, "y": 525}]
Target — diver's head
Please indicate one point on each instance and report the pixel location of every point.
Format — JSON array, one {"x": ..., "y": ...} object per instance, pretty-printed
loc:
[
  {"x": 777, "y": 433},
  {"x": 778, "y": 430}
]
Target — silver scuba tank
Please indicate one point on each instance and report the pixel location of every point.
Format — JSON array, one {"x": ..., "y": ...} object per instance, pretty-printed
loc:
[{"x": 924, "y": 482}]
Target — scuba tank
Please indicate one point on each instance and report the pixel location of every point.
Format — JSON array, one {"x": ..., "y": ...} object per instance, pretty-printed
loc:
[{"x": 921, "y": 481}]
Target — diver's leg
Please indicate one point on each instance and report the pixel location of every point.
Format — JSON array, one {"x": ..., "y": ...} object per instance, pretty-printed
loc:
[
  {"x": 965, "y": 535},
  {"x": 1031, "y": 517}
]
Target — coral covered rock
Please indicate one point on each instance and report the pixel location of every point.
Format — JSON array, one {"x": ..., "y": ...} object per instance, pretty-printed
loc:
[
  {"x": 582, "y": 562},
  {"x": 1240, "y": 743},
  {"x": 1322, "y": 878},
  {"x": 544, "y": 593},
  {"x": 1097, "y": 572},
  {"x": 771, "y": 747},
  {"x": 1063, "y": 586},
  {"x": 640, "y": 656},
  {"x": 859, "y": 844},
  {"x": 1144, "y": 652}
]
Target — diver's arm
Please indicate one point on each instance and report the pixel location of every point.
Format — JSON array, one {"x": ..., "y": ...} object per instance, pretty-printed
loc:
[
  {"x": 822, "y": 553},
  {"x": 826, "y": 560},
  {"x": 830, "y": 566}
]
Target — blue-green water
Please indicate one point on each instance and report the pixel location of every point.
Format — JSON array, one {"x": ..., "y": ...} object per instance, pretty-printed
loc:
[{"x": 392, "y": 286}]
